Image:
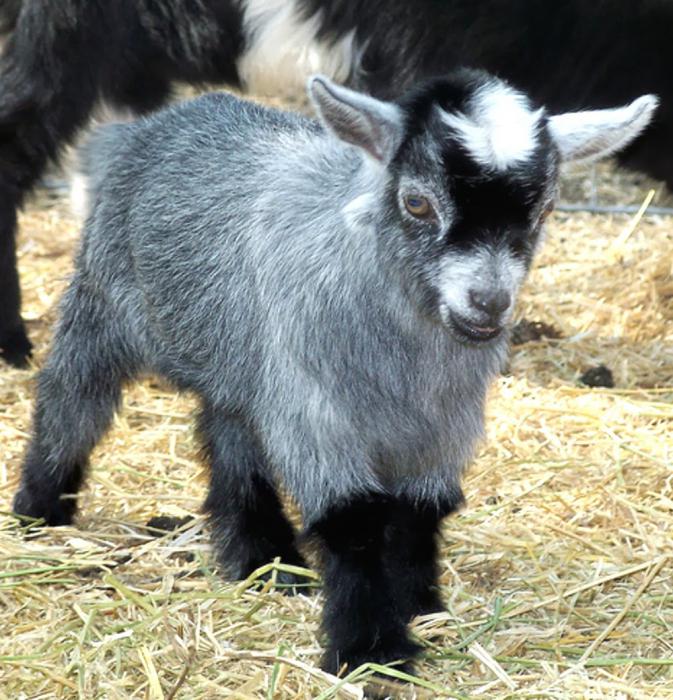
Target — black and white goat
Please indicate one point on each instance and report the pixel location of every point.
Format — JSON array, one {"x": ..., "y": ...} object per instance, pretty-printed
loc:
[
  {"x": 336, "y": 293},
  {"x": 65, "y": 57}
]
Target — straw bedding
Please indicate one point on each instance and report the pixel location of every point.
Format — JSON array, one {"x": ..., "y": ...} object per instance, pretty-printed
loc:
[{"x": 558, "y": 575}]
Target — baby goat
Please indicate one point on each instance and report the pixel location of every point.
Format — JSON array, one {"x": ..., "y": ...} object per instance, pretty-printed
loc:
[{"x": 336, "y": 292}]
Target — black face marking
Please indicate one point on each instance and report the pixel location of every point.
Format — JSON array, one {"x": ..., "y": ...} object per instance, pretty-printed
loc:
[
  {"x": 451, "y": 94},
  {"x": 492, "y": 206}
]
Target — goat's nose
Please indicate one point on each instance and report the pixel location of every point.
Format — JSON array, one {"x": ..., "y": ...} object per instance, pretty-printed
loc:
[{"x": 493, "y": 303}]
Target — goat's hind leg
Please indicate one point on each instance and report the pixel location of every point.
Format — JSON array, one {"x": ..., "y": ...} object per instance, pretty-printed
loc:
[
  {"x": 249, "y": 526},
  {"x": 78, "y": 392}
]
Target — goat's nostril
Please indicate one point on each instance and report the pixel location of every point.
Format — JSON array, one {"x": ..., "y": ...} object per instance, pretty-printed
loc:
[{"x": 492, "y": 303}]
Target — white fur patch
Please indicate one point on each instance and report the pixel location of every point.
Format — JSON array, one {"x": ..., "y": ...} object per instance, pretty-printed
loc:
[
  {"x": 283, "y": 49},
  {"x": 359, "y": 212},
  {"x": 500, "y": 130},
  {"x": 79, "y": 196},
  {"x": 482, "y": 269}
]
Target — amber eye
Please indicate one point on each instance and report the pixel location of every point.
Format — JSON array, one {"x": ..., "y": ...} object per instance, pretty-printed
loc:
[{"x": 418, "y": 206}]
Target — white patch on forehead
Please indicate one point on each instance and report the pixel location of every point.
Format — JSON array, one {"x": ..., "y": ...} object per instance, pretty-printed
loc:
[
  {"x": 283, "y": 49},
  {"x": 501, "y": 130}
]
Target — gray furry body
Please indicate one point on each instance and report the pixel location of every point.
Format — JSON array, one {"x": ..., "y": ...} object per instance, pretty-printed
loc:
[{"x": 247, "y": 285}]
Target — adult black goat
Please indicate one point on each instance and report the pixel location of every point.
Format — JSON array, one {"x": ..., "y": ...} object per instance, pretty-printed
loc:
[{"x": 63, "y": 58}]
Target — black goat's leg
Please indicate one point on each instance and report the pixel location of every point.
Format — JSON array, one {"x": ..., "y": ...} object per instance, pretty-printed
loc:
[
  {"x": 60, "y": 58},
  {"x": 411, "y": 553},
  {"x": 363, "y": 618},
  {"x": 249, "y": 526},
  {"x": 15, "y": 348}
]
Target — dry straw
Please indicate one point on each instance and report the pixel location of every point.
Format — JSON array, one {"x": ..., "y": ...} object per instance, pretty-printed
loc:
[{"x": 558, "y": 575}]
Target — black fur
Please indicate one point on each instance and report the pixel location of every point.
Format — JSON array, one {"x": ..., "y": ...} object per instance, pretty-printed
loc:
[
  {"x": 64, "y": 56},
  {"x": 9, "y": 14},
  {"x": 412, "y": 554},
  {"x": 363, "y": 617},
  {"x": 379, "y": 558},
  {"x": 493, "y": 205},
  {"x": 246, "y": 516},
  {"x": 54, "y": 500},
  {"x": 60, "y": 60},
  {"x": 15, "y": 347}
]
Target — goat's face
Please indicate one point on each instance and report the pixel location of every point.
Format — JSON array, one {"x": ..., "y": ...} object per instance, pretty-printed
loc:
[
  {"x": 470, "y": 186},
  {"x": 464, "y": 174}
]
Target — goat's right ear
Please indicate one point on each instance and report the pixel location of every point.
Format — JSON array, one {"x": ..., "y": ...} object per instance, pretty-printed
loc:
[
  {"x": 594, "y": 134},
  {"x": 358, "y": 119}
]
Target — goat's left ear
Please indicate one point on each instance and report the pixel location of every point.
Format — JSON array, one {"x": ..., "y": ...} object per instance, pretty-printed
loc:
[
  {"x": 587, "y": 136},
  {"x": 358, "y": 119}
]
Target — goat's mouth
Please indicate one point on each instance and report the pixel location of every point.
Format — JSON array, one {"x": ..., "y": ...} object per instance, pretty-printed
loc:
[{"x": 472, "y": 332}]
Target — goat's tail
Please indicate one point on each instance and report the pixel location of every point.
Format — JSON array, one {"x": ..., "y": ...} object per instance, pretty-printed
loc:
[{"x": 93, "y": 159}]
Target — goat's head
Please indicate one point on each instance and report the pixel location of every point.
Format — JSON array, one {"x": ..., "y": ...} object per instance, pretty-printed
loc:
[{"x": 462, "y": 173}]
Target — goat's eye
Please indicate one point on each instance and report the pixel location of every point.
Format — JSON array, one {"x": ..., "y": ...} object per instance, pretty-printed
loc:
[{"x": 418, "y": 206}]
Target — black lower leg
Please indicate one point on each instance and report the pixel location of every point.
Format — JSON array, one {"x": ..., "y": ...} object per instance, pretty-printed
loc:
[
  {"x": 15, "y": 347},
  {"x": 411, "y": 546},
  {"x": 249, "y": 526},
  {"x": 362, "y": 617},
  {"x": 46, "y": 495}
]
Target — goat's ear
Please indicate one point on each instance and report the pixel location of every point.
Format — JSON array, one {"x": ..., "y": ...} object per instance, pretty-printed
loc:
[
  {"x": 587, "y": 136},
  {"x": 358, "y": 119}
]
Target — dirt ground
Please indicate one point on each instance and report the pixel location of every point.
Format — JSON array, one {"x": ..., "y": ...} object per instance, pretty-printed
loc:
[{"x": 558, "y": 574}]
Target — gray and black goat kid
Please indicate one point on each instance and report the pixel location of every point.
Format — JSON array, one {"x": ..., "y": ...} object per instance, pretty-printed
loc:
[{"x": 336, "y": 292}]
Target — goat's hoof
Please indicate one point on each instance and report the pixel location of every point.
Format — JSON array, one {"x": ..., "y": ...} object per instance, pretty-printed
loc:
[
  {"x": 293, "y": 584},
  {"x": 399, "y": 652},
  {"x": 15, "y": 348},
  {"x": 34, "y": 510},
  {"x": 428, "y": 604},
  {"x": 286, "y": 582}
]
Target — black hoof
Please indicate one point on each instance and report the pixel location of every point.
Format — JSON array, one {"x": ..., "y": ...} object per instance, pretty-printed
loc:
[
  {"x": 401, "y": 650},
  {"x": 294, "y": 584},
  {"x": 428, "y": 603},
  {"x": 15, "y": 348},
  {"x": 287, "y": 582},
  {"x": 32, "y": 509}
]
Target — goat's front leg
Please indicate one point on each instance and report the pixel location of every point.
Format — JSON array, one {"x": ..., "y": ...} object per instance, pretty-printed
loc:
[
  {"x": 411, "y": 552},
  {"x": 362, "y": 616}
]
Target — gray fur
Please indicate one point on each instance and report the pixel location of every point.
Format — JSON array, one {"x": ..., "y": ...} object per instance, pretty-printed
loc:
[{"x": 250, "y": 290}]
